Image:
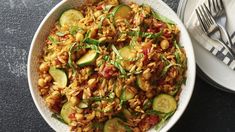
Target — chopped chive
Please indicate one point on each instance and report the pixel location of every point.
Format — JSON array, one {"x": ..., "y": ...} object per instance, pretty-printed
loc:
[
  {"x": 73, "y": 30},
  {"x": 166, "y": 68},
  {"x": 53, "y": 40},
  {"x": 116, "y": 51},
  {"x": 106, "y": 58},
  {"x": 163, "y": 120},
  {"x": 60, "y": 34},
  {"x": 91, "y": 41},
  {"x": 70, "y": 62},
  {"x": 58, "y": 117}
]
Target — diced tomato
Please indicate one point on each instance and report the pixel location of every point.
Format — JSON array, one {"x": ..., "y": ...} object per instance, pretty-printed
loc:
[
  {"x": 153, "y": 119},
  {"x": 148, "y": 122},
  {"x": 72, "y": 116},
  {"x": 108, "y": 71},
  {"x": 146, "y": 48},
  {"x": 100, "y": 7}
]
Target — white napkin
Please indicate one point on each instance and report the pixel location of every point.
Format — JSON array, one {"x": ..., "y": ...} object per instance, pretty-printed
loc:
[{"x": 212, "y": 46}]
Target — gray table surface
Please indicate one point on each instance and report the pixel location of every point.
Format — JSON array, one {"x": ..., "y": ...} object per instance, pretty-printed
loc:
[{"x": 210, "y": 110}]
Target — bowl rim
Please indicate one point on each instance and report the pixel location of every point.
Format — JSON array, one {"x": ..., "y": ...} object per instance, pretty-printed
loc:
[
  {"x": 32, "y": 45},
  {"x": 192, "y": 68}
]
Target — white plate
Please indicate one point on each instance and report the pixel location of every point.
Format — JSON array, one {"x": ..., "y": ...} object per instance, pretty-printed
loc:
[
  {"x": 43, "y": 31},
  {"x": 217, "y": 71}
]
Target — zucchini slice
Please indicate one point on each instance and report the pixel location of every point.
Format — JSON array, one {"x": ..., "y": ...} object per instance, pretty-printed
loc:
[
  {"x": 127, "y": 53},
  {"x": 88, "y": 58},
  {"x": 164, "y": 103},
  {"x": 70, "y": 17},
  {"x": 128, "y": 93},
  {"x": 121, "y": 11},
  {"x": 66, "y": 111},
  {"x": 127, "y": 113},
  {"x": 59, "y": 76},
  {"x": 114, "y": 125},
  {"x": 141, "y": 83}
]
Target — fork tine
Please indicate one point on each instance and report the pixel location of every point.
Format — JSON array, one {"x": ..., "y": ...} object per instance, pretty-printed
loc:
[
  {"x": 210, "y": 5},
  {"x": 219, "y": 3},
  {"x": 214, "y": 6},
  {"x": 205, "y": 17},
  {"x": 201, "y": 21},
  {"x": 220, "y": 6},
  {"x": 208, "y": 14}
]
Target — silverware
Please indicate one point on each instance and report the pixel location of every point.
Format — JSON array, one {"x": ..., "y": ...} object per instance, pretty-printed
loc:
[
  {"x": 218, "y": 12},
  {"x": 210, "y": 27}
]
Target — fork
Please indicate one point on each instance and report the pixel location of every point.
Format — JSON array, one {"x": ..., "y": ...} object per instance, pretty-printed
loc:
[
  {"x": 218, "y": 12},
  {"x": 210, "y": 27}
]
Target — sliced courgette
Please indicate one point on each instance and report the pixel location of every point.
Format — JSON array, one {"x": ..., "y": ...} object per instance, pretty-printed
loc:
[
  {"x": 121, "y": 12},
  {"x": 70, "y": 17},
  {"x": 127, "y": 53},
  {"x": 127, "y": 113},
  {"x": 88, "y": 58},
  {"x": 141, "y": 83},
  {"x": 59, "y": 76},
  {"x": 66, "y": 111},
  {"x": 164, "y": 103},
  {"x": 114, "y": 125},
  {"x": 128, "y": 93}
]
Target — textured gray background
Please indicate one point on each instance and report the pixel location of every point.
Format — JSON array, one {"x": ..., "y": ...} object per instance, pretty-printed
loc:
[{"x": 210, "y": 110}]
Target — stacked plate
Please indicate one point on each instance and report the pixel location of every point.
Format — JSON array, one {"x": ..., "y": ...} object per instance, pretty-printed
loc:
[{"x": 209, "y": 67}]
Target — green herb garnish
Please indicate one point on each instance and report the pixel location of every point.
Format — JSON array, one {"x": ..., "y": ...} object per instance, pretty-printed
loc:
[
  {"x": 145, "y": 34},
  {"x": 118, "y": 66},
  {"x": 58, "y": 117},
  {"x": 53, "y": 40},
  {"x": 101, "y": 22},
  {"x": 74, "y": 29},
  {"x": 60, "y": 34},
  {"x": 91, "y": 41},
  {"x": 163, "y": 120},
  {"x": 70, "y": 62},
  {"x": 116, "y": 51},
  {"x": 106, "y": 58},
  {"x": 166, "y": 68}
]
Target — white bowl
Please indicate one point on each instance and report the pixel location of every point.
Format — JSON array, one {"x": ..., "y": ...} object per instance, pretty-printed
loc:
[{"x": 43, "y": 31}]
